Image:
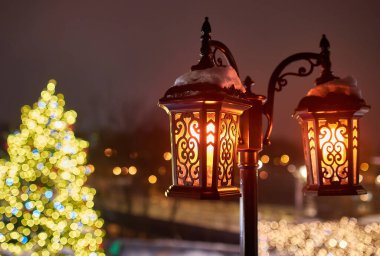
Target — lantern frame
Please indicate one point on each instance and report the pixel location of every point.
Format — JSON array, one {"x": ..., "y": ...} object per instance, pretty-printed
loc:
[
  {"x": 330, "y": 127},
  {"x": 206, "y": 104}
]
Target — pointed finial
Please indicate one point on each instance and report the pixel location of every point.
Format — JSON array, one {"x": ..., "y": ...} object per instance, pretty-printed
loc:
[
  {"x": 206, "y": 59},
  {"x": 206, "y": 27},
  {"x": 326, "y": 74},
  {"x": 324, "y": 43}
]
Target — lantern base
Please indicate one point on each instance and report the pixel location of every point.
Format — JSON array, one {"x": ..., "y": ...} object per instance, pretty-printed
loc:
[
  {"x": 341, "y": 190},
  {"x": 203, "y": 193}
]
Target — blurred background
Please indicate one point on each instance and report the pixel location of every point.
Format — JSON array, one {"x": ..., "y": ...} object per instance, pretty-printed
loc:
[{"x": 113, "y": 60}]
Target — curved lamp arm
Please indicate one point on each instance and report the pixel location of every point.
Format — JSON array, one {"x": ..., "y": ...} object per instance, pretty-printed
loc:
[
  {"x": 278, "y": 80},
  {"x": 217, "y": 45}
]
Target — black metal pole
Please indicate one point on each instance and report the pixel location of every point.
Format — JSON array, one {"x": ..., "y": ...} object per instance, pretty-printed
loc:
[
  {"x": 248, "y": 154},
  {"x": 248, "y": 203}
]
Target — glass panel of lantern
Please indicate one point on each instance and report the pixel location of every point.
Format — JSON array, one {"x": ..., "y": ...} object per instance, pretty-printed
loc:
[
  {"x": 204, "y": 135},
  {"x": 330, "y": 129}
]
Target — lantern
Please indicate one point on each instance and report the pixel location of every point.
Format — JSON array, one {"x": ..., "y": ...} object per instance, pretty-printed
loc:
[
  {"x": 329, "y": 117},
  {"x": 204, "y": 108}
]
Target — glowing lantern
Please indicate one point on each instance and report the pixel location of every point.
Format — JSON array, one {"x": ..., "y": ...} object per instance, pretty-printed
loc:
[
  {"x": 204, "y": 106},
  {"x": 329, "y": 117},
  {"x": 204, "y": 134}
]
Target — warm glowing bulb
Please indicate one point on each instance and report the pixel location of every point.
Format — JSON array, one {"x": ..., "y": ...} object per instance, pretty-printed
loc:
[{"x": 116, "y": 170}]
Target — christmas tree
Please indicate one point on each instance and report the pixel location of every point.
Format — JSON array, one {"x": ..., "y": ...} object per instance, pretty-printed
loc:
[{"x": 45, "y": 209}]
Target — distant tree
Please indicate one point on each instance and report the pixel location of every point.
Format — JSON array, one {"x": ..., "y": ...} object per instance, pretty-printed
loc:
[{"x": 45, "y": 209}]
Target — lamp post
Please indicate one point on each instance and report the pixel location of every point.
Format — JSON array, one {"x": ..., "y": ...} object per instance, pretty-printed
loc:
[{"x": 214, "y": 118}]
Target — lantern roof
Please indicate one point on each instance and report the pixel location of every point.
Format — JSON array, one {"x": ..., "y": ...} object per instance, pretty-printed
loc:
[
  {"x": 335, "y": 95},
  {"x": 214, "y": 82}
]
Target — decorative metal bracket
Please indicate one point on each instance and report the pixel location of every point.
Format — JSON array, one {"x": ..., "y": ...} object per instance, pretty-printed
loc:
[{"x": 278, "y": 80}]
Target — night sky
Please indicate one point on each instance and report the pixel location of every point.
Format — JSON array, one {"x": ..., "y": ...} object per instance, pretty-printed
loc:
[{"x": 113, "y": 60}]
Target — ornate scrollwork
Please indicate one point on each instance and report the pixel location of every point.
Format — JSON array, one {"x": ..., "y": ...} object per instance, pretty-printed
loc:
[
  {"x": 333, "y": 142},
  {"x": 228, "y": 135},
  {"x": 221, "y": 55},
  {"x": 186, "y": 135},
  {"x": 302, "y": 71}
]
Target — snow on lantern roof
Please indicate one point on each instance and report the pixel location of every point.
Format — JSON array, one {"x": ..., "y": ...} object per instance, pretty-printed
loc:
[
  {"x": 222, "y": 76},
  {"x": 337, "y": 94},
  {"x": 347, "y": 86},
  {"x": 216, "y": 81}
]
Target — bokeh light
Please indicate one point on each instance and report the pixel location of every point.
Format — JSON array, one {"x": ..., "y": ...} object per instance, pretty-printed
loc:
[
  {"x": 152, "y": 179},
  {"x": 132, "y": 170},
  {"x": 116, "y": 170},
  {"x": 167, "y": 156},
  {"x": 45, "y": 206}
]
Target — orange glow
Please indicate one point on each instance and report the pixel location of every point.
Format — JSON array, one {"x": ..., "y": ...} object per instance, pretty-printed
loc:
[
  {"x": 265, "y": 159},
  {"x": 167, "y": 156},
  {"x": 364, "y": 167},
  {"x": 210, "y": 133},
  {"x": 152, "y": 179},
  {"x": 285, "y": 159},
  {"x": 187, "y": 143},
  {"x": 124, "y": 170},
  {"x": 108, "y": 152},
  {"x": 263, "y": 175},
  {"x": 210, "y": 142},
  {"x": 92, "y": 167},
  {"x": 132, "y": 170},
  {"x": 333, "y": 141},
  {"x": 116, "y": 170}
]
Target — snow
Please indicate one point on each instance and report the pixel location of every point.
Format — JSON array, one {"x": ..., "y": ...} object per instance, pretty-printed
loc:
[
  {"x": 224, "y": 77},
  {"x": 347, "y": 86}
]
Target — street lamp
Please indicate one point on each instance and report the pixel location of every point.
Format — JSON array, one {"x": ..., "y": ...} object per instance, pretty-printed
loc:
[{"x": 205, "y": 106}]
